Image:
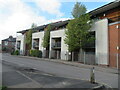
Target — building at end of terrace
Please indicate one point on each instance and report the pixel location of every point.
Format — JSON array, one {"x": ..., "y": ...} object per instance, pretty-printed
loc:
[
  {"x": 104, "y": 51},
  {"x": 8, "y": 44}
]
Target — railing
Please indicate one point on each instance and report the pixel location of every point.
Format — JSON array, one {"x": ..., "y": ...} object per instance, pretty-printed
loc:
[
  {"x": 18, "y": 46},
  {"x": 90, "y": 45},
  {"x": 35, "y": 44},
  {"x": 56, "y": 45}
]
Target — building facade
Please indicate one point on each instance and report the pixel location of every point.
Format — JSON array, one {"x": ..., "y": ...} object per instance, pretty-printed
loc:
[
  {"x": 108, "y": 47},
  {"x": 8, "y": 45},
  {"x": 105, "y": 50},
  {"x": 20, "y": 44},
  {"x": 0, "y": 48}
]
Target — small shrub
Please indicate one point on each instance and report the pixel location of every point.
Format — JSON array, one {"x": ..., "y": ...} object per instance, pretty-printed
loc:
[
  {"x": 3, "y": 88},
  {"x": 12, "y": 52},
  {"x": 36, "y": 53},
  {"x": 4, "y": 49},
  {"x": 16, "y": 52}
]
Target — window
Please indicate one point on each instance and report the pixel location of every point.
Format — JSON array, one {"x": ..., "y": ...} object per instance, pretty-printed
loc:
[{"x": 6, "y": 43}]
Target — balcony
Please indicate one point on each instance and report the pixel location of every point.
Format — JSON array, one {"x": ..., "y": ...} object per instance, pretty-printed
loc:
[
  {"x": 35, "y": 44},
  {"x": 18, "y": 44},
  {"x": 56, "y": 45},
  {"x": 90, "y": 45}
]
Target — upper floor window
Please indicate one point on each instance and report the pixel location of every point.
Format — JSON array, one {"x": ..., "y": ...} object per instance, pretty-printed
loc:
[
  {"x": 13, "y": 43},
  {"x": 6, "y": 43}
]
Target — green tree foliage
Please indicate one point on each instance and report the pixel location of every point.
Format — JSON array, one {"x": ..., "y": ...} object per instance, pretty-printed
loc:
[
  {"x": 28, "y": 39},
  {"x": 36, "y": 53},
  {"x": 78, "y": 10},
  {"x": 33, "y": 25},
  {"x": 46, "y": 39},
  {"x": 77, "y": 31}
]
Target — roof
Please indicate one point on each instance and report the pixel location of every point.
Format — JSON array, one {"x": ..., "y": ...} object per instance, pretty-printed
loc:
[
  {"x": 11, "y": 39},
  {"x": 99, "y": 10},
  {"x": 40, "y": 28},
  {"x": 106, "y": 7},
  {"x": 23, "y": 31},
  {"x": 60, "y": 23}
]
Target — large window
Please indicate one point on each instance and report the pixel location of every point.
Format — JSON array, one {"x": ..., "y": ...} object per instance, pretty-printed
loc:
[{"x": 6, "y": 43}]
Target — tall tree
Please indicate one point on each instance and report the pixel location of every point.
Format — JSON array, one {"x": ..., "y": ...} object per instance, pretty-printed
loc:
[
  {"x": 46, "y": 39},
  {"x": 77, "y": 32},
  {"x": 78, "y": 29},
  {"x": 28, "y": 39},
  {"x": 78, "y": 10},
  {"x": 33, "y": 25}
]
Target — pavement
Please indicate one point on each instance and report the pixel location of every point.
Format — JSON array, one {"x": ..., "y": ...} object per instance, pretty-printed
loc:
[
  {"x": 107, "y": 77},
  {"x": 77, "y": 64}
]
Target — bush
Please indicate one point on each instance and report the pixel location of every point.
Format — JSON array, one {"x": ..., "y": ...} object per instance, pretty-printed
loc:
[
  {"x": 12, "y": 52},
  {"x": 3, "y": 88},
  {"x": 4, "y": 49},
  {"x": 36, "y": 53},
  {"x": 15, "y": 52}
]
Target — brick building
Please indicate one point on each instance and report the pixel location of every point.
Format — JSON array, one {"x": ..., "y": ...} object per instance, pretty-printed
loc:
[{"x": 8, "y": 44}]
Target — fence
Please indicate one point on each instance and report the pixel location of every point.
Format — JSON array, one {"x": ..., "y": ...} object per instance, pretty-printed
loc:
[
  {"x": 84, "y": 57},
  {"x": 90, "y": 58},
  {"x": 45, "y": 53}
]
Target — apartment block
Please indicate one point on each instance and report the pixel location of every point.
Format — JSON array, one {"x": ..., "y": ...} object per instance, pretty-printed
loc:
[{"x": 104, "y": 51}]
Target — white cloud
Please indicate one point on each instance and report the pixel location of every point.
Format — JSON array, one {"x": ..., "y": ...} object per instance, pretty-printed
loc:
[
  {"x": 50, "y": 6},
  {"x": 15, "y": 15}
]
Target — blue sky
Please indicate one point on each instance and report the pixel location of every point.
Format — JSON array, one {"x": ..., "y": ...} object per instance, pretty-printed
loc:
[
  {"x": 66, "y": 8},
  {"x": 17, "y": 15}
]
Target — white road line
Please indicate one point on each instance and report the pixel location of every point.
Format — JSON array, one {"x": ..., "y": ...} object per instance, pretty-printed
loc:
[{"x": 29, "y": 79}]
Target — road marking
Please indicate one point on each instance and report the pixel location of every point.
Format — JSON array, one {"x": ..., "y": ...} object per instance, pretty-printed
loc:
[
  {"x": 89, "y": 80},
  {"x": 46, "y": 74},
  {"x": 106, "y": 85},
  {"x": 29, "y": 78}
]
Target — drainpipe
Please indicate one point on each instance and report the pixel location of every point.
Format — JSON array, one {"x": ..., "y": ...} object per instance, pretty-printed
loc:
[
  {"x": 117, "y": 61},
  {"x": 84, "y": 57},
  {"x": 72, "y": 56},
  {"x": 117, "y": 57}
]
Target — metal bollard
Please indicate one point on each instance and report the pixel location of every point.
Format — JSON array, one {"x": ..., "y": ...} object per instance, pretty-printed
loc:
[{"x": 92, "y": 75}]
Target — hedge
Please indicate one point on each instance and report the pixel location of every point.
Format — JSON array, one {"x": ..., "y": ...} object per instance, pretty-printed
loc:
[
  {"x": 36, "y": 53},
  {"x": 16, "y": 52}
]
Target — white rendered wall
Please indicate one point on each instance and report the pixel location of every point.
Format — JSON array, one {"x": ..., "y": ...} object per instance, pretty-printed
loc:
[
  {"x": 21, "y": 38},
  {"x": 38, "y": 35},
  {"x": 101, "y": 29},
  {"x": 64, "y": 48}
]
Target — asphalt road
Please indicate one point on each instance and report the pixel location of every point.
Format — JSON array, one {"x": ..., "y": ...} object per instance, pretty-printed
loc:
[
  {"x": 65, "y": 71},
  {"x": 24, "y": 77}
]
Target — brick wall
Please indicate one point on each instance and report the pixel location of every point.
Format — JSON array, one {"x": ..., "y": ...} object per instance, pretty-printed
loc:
[{"x": 113, "y": 43}]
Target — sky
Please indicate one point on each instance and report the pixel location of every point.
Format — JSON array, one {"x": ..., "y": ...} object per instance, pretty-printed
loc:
[{"x": 17, "y": 15}]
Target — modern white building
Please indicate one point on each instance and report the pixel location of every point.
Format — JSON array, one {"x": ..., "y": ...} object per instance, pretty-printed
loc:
[
  {"x": 105, "y": 49},
  {"x": 20, "y": 44}
]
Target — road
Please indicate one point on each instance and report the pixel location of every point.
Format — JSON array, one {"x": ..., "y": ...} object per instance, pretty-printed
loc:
[
  {"x": 20, "y": 77},
  {"x": 65, "y": 71}
]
